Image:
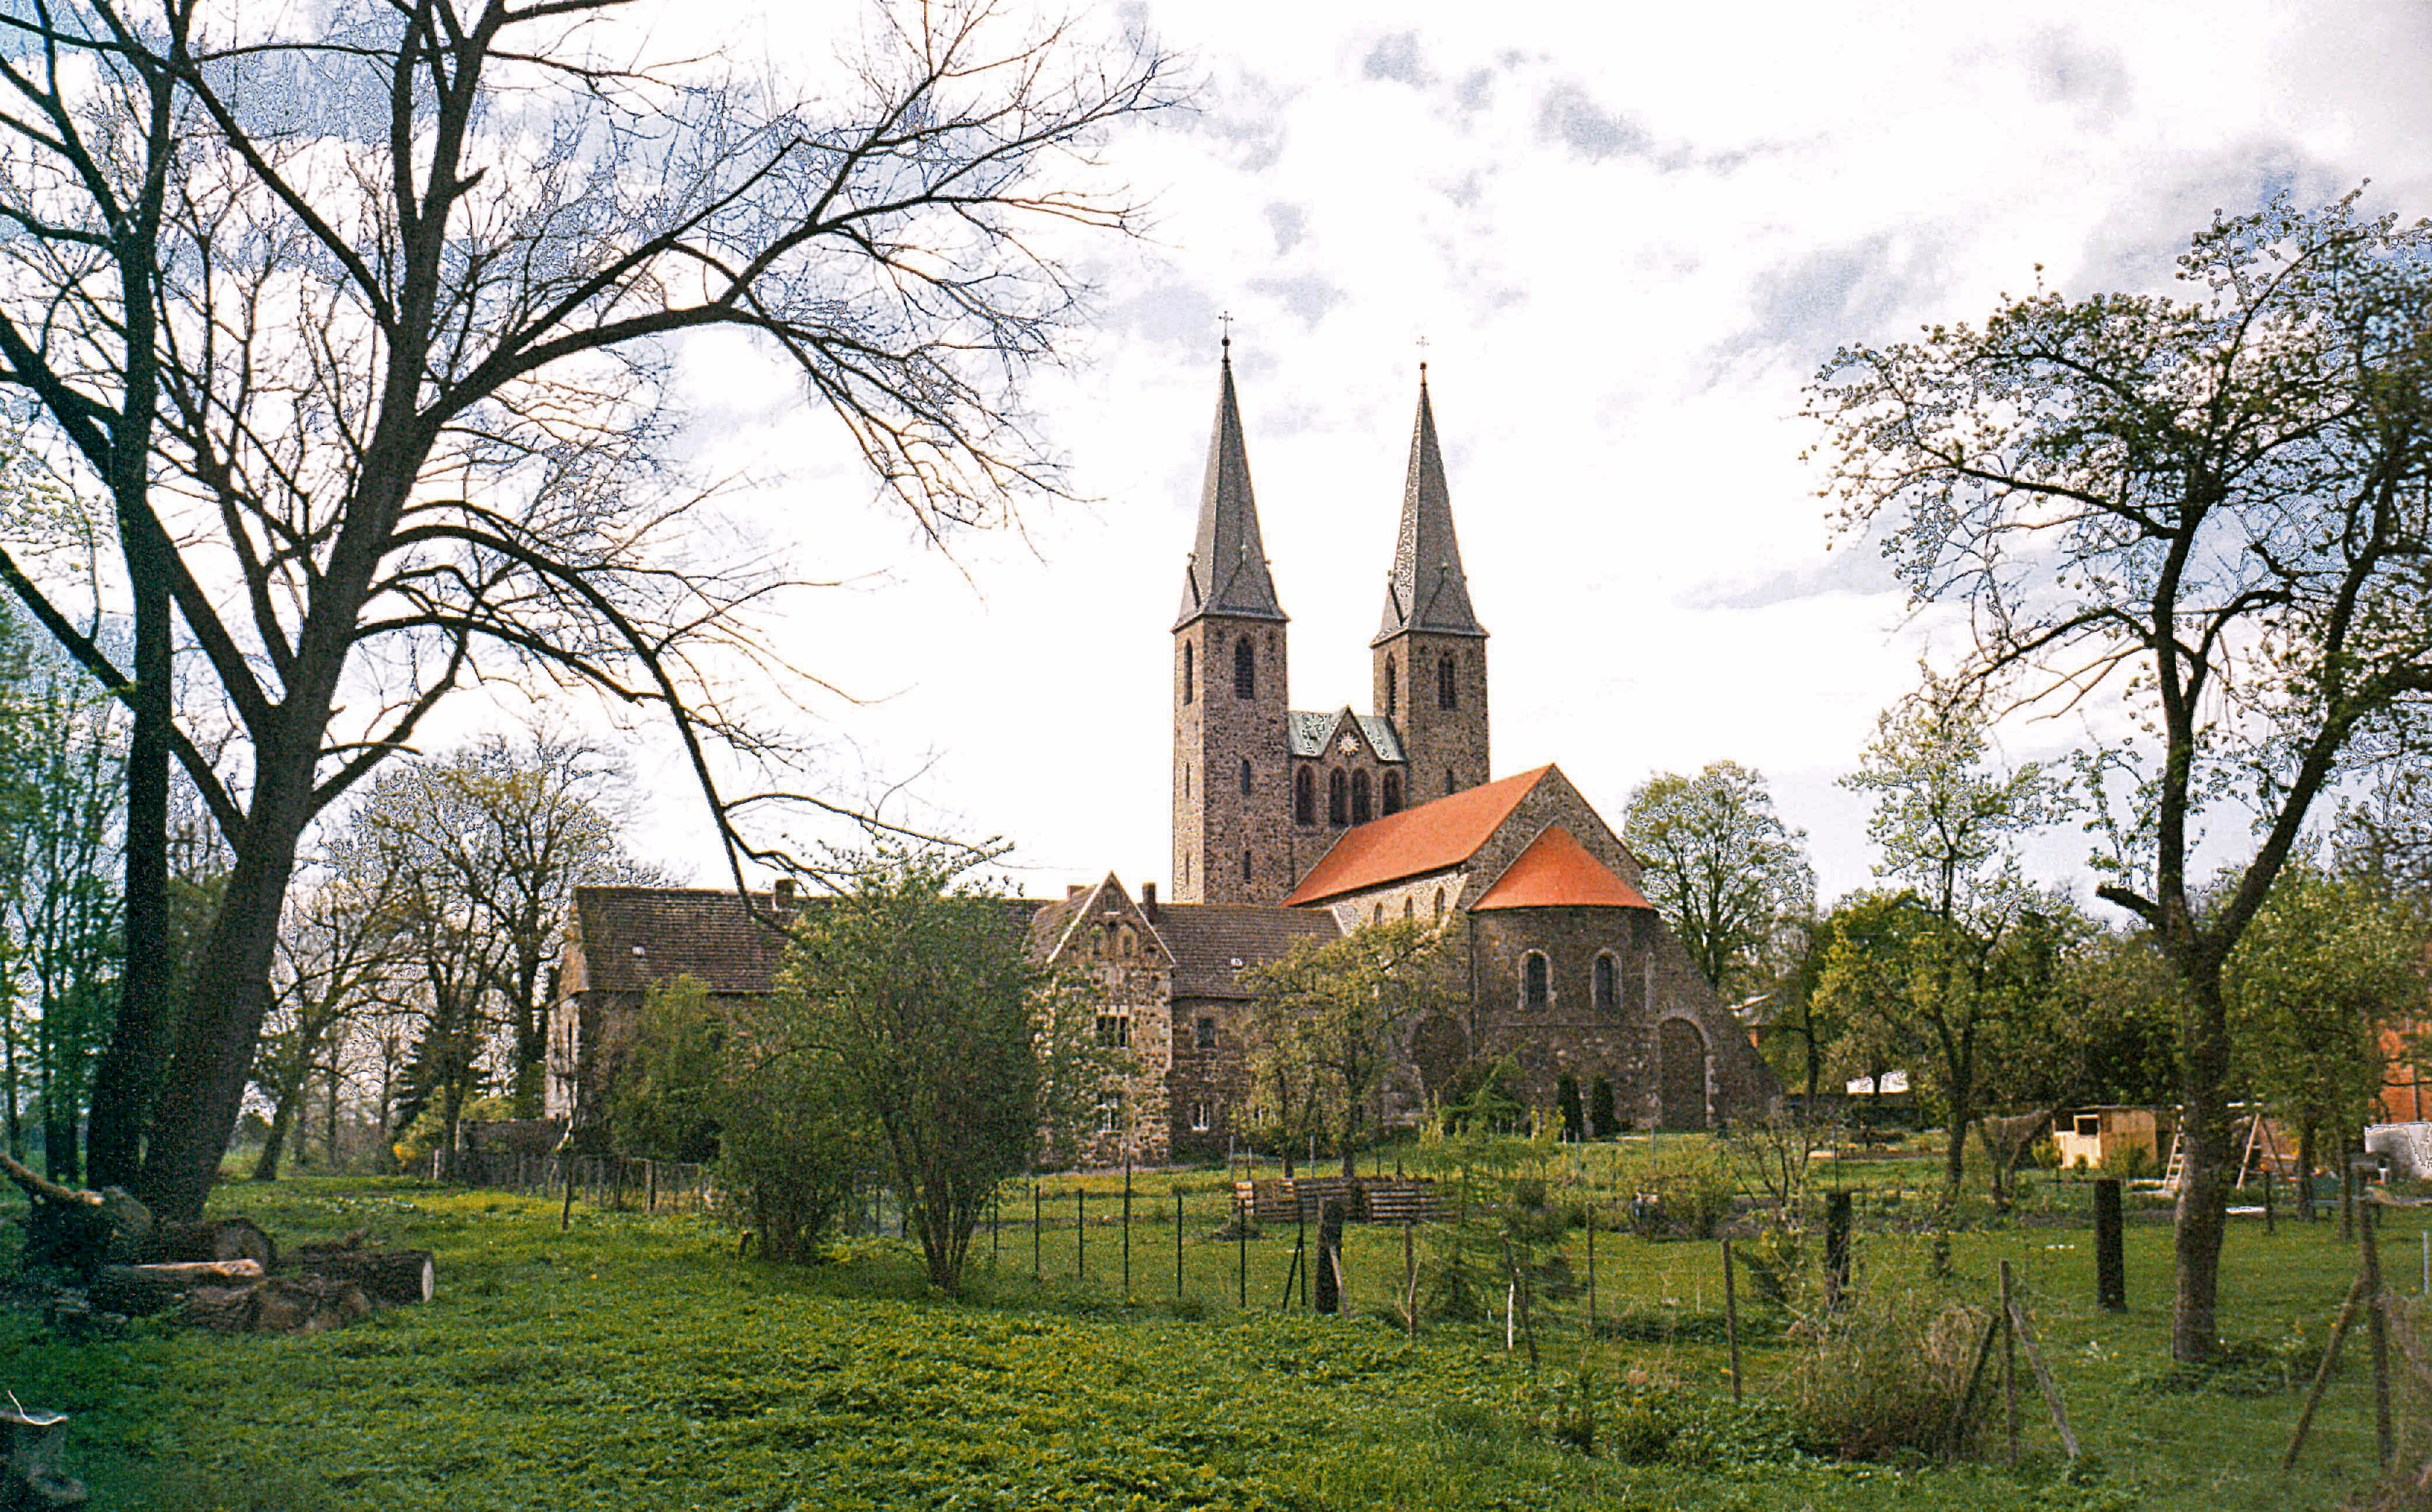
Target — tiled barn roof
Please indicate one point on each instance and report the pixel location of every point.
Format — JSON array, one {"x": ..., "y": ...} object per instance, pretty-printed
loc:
[
  {"x": 633, "y": 936},
  {"x": 1556, "y": 871},
  {"x": 1415, "y": 840},
  {"x": 1206, "y": 939}
]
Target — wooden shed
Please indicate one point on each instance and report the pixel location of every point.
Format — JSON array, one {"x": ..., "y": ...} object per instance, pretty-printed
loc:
[{"x": 2107, "y": 1135}]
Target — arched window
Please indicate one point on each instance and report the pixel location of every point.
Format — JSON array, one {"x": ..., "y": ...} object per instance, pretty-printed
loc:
[
  {"x": 1246, "y": 776},
  {"x": 1410, "y": 909},
  {"x": 1449, "y": 789},
  {"x": 1608, "y": 983},
  {"x": 1188, "y": 691},
  {"x": 1304, "y": 797},
  {"x": 1393, "y": 689},
  {"x": 1376, "y": 915},
  {"x": 1536, "y": 980},
  {"x": 1392, "y": 803},
  {"x": 1245, "y": 668},
  {"x": 1447, "y": 691},
  {"x": 1359, "y": 797},
  {"x": 1440, "y": 902},
  {"x": 1245, "y": 865},
  {"x": 1338, "y": 800}
]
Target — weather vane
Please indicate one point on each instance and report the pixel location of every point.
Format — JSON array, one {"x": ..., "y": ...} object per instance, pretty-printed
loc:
[
  {"x": 1423, "y": 353},
  {"x": 1225, "y": 319}
]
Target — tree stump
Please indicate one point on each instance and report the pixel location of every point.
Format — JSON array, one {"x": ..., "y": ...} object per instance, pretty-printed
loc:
[{"x": 232, "y": 1239}]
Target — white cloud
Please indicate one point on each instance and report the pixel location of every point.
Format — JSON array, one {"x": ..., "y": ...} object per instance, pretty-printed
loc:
[{"x": 1628, "y": 235}]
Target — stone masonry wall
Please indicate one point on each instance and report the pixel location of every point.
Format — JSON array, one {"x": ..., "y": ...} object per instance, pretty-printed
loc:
[{"x": 1213, "y": 822}]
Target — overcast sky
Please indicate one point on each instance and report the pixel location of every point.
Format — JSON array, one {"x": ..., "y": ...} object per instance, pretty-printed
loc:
[{"x": 1628, "y": 235}]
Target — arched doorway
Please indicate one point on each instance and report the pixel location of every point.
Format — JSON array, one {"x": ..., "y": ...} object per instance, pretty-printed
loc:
[{"x": 1681, "y": 1053}]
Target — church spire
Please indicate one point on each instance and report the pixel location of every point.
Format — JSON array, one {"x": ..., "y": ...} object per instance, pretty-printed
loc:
[
  {"x": 1427, "y": 590},
  {"x": 1227, "y": 573}
]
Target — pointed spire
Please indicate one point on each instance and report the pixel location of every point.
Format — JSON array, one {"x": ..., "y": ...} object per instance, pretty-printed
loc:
[
  {"x": 1227, "y": 573},
  {"x": 1426, "y": 589}
]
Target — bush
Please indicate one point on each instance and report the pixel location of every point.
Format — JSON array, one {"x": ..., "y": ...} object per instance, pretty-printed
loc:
[
  {"x": 1887, "y": 1377},
  {"x": 2130, "y": 1163}
]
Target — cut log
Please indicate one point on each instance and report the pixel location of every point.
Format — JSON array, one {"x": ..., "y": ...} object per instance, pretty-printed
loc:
[
  {"x": 281, "y": 1305},
  {"x": 139, "y": 1291},
  {"x": 390, "y": 1277},
  {"x": 231, "y": 1239},
  {"x": 78, "y": 1230}
]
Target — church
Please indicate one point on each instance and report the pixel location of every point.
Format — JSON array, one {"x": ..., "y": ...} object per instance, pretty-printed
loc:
[{"x": 1291, "y": 825}]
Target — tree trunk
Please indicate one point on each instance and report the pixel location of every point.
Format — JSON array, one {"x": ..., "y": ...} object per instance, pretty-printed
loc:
[
  {"x": 2305, "y": 1132},
  {"x": 282, "y": 1119},
  {"x": 229, "y": 997},
  {"x": 2202, "y": 1221}
]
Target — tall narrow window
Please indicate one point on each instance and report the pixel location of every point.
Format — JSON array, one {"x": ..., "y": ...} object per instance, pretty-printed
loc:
[
  {"x": 1245, "y": 668},
  {"x": 1536, "y": 980},
  {"x": 1246, "y": 776},
  {"x": 1449, "y": 789},
  {"x": 1188, "y": 692},
  {"x": 1204, "y": 1032},
  {"x": 1440, "y": 902},
  {"x": 1607, "y": 984},
  {"x": 1305, "y": 797},
  {"x": 1448, "y": 692},
  {"x": 1392, "y": 801},
  {"x": 1393, "y": 689},
  {"x": 1338, "y": 800},
  {"x": 1359, "y": 797},
  {"x": 1245, "y": 865}
]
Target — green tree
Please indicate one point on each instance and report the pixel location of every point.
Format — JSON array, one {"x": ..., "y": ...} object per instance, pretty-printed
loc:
[
  {"x": 1723, "y": 869},
  {"x": 915, "y": 995},
  {"x": 1944, "y": 821},
  {"x": 2207, "y": 512},
  {"x": 671, "y": 1092},
  {"x": 2329, "y": 963},
  {"x": 1329, "y": 1024}
]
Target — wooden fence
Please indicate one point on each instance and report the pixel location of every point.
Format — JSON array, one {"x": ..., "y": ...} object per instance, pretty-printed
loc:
[{"x": 613, "y": 1182}]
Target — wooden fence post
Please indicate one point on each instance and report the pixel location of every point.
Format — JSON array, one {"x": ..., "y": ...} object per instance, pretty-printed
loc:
[
  {"x": 2044, "y": 1381},
  {"x": 1081, "y": 1232},
  {"x": 1731, "y": 1317},
  {"x": 1177, "y": 1243},
  {"x": 1128, "y": 1228},
  {"x": 2110, "y": 1255},
  {"x": 1037, "y": 1213},
  {"x": 2010, "y": 1359},
  {"x": 1836, "y": 1248},
  {"x": 2376, "y": 1328}
]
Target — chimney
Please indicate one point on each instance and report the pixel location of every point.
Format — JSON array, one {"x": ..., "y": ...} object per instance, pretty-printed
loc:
[
  {"x": 1074, "y": 890},
  {"x": 782, "y": 895},
  {"x": 1148, "y": 901}
]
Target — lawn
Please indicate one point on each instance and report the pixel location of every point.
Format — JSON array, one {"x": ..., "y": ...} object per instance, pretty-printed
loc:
[{"x": 632, "y": 1361}]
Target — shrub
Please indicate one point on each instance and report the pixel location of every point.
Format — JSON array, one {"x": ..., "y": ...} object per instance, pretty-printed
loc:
[
  {"x": 1888, "y": 1374},
  {"x": 2045, "y": 1153}
]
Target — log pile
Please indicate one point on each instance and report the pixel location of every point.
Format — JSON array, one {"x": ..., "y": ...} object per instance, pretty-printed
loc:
[{"x": 225, "y": 1275}]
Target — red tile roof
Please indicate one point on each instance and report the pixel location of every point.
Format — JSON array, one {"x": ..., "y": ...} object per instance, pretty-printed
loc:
[
  {"x": 1415, "y": 840},
  {"x": 1556, "y": 871}
]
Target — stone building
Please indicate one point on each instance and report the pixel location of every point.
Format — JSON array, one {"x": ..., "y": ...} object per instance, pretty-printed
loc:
[{"x": 1291, "y": 825}]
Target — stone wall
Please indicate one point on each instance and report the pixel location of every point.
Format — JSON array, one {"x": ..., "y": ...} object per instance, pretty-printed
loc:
[{"x": 1213, "y": 822}]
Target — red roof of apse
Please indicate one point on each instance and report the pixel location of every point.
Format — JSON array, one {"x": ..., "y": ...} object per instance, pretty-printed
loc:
[
  {"x": 1427, "y": 839},
  {"x": 1556, "y": 871}
]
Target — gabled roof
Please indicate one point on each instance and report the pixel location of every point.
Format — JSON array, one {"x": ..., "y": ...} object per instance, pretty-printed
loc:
[
  {"x": 1306, "y": 733},
  {"x": 633, "y": 936},
  {"x": 1206, "y": 939},
  {"x": 1556, "y": 871},
  {"x": 1431, "y": 837},
  {"x": 1227, "y": 573},
  {"x": 1427, "y": 590},
  {"x": 1055, "y": 925}
]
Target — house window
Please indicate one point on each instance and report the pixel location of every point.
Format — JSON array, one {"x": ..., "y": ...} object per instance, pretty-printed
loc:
[
  {"x": 1536, "y": 980},
  {"x": 1440, "y": 902},
  {"x": 1245, "y": 668},
  {"x": 1188, "y": 691},
  {"x": 1338, "y": 800},
  {"x": 1448, "y": 692},
  {"x": 1359, "y": 797},
  {"x": 1110, "y": 1115},
  {"x": 1114, "y": 1030},
  {"x": 1245, "y": 865},
  {"x": 1449, "y": 789},
  {"x": 1246, "y": 776},
  {"x": 1393, "y": 781},
  {"x": 1608, "y": 983},
  {"x": 1203, "y": 1033},
  {"x": 1203, "y": 1115},
  {"x": 1393, "y": 689},
  {"x": 1376, "y": 915},
  {"x": 1410, "y": 909},
  {"x": 1305, "y": 797}
]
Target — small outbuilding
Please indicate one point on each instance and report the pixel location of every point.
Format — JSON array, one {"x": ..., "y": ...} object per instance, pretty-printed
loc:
[{"x": 2108, "y": 1137}]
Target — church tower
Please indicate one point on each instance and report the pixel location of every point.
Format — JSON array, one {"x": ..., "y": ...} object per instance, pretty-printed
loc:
[
  {"x": 1231, "y": 792},
  {"x": 1430, "y": 651}
]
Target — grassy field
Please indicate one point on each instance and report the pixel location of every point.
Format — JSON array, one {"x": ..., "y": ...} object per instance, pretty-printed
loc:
[{"x": 635, "y": 1362}]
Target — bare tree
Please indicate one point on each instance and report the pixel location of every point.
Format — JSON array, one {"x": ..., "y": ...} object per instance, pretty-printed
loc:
[
  {"x": 2212, "y": 510},
  {"x": 337, "y": 943},
  {"x": 361, "y": 316}
]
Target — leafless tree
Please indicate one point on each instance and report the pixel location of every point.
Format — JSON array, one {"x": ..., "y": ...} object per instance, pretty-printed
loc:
[{"x": 360, "y": 315}]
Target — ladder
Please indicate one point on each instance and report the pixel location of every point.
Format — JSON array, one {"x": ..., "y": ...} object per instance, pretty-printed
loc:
[{"x": 2178, "y": 1167}]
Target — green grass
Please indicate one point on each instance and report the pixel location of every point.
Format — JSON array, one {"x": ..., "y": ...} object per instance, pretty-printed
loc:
[{"x": 634, "y": 1362}]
